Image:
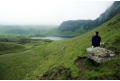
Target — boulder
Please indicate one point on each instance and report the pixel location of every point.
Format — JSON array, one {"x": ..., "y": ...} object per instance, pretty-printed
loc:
[{"x": 100, "y": 55}]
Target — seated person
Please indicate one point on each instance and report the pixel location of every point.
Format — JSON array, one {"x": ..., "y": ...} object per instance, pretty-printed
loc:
[{"x": 96, "y": 40}]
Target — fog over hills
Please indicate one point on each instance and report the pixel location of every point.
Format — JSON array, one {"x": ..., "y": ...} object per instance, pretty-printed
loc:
[
  {"x": 37, "y": 12},
  {"x": 86, "y": 25}
]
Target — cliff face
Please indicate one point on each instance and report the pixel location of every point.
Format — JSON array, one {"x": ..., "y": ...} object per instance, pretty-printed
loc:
[
  {"x": 109, "y": 13},
  {"x": 73, "y": 25}
]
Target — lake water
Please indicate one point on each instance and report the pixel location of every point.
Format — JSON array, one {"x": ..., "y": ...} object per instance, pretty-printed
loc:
[{"x": 51, "y": 38}]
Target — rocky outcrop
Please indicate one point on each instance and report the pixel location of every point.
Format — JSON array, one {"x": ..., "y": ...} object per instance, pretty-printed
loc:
[{"x": 100, "y": 55}]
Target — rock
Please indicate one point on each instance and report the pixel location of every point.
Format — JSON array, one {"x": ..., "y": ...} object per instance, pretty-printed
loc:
[
  {"x": 99, "y": 54},
  {"x": 112, "y": 55}
]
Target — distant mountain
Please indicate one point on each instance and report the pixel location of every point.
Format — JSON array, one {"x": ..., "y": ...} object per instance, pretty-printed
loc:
[
  {"x": 86, "y": 25},
  {"x": 109, "y": 13}
]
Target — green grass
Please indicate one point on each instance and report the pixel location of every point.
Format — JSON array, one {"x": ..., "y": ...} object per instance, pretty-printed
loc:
[
  {"x": 43, "y": 56},
  {"x": 6, "y": 47}
]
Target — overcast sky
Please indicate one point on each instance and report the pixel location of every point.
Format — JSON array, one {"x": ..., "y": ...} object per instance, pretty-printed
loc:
[{"x": 49, "y": 11}]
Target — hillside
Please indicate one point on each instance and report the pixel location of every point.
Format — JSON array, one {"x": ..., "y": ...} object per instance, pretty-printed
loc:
[
  {"x": 59, "y": 59},
  {"x": 78, "y": 27},
  {"x": 27, "y": 30}
]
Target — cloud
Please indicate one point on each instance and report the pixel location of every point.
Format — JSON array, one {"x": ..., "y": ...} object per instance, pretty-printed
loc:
[{"x": 49, "y": 11}]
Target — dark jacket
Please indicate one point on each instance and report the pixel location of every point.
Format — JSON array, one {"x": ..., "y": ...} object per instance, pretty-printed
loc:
[{"x": 96, "y": 41}]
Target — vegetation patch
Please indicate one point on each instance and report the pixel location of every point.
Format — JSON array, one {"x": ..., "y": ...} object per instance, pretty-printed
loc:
[{"x": 10, "y": 47}]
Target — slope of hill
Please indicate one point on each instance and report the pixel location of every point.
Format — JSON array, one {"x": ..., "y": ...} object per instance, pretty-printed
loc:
[
  {"x": 59, "y": 59},
  {"x": 77, "y": 27}
]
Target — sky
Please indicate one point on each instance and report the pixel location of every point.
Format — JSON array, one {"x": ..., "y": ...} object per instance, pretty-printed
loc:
[{"x": 36, "y": 12}]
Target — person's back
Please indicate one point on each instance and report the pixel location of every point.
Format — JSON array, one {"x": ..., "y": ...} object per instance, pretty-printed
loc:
[{"x": 96, "y": 40}]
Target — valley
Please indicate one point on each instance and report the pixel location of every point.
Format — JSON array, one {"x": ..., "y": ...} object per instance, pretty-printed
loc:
[
  {"x": 42, "y": 56},
  {"x": 57, "y": 53}
]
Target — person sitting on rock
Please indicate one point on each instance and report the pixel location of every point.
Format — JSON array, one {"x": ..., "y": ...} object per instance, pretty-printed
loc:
[{"x": 96, "y": 40}]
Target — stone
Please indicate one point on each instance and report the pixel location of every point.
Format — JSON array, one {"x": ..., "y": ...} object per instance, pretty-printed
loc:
[
  {"x": 112, "y": 55},
  {"x": 99, "y": 54}
]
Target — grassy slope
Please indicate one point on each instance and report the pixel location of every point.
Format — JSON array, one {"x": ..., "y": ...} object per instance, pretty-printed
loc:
[
  {"x": 33, "y": 63},
  {"x": 6, "y": 47}
]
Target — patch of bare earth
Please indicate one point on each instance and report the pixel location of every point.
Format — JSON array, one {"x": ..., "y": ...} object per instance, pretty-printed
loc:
[
  {"x": 56, "y": 74},
  {"x": 80, "y": 62}
]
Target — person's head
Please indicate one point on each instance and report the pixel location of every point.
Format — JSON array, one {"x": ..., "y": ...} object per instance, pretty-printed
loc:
[{"x": 96, "y": 33}]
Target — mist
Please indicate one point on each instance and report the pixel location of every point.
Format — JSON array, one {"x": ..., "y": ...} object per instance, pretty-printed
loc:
[{"x": 50, "y": 12}]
